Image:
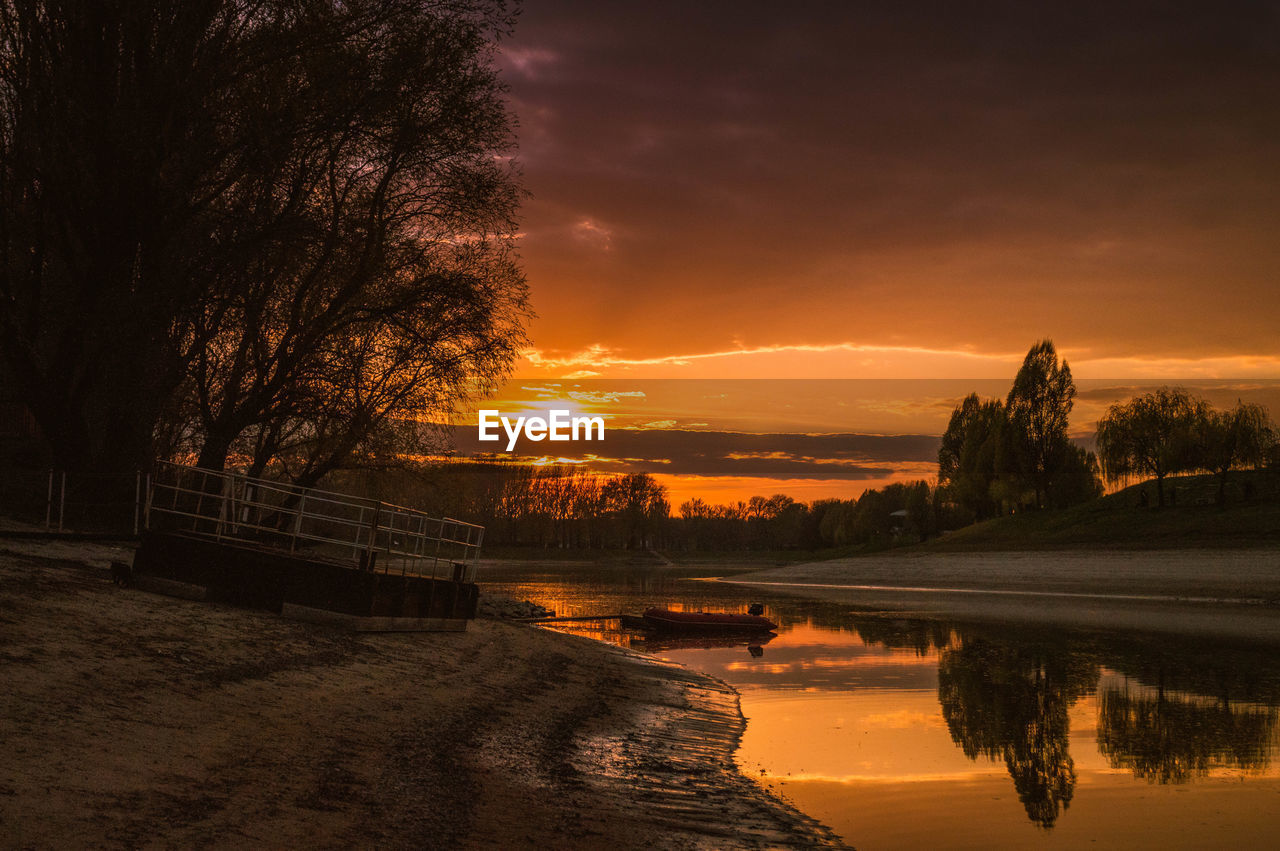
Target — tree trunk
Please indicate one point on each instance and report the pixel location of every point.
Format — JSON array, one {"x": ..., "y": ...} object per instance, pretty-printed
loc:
[{"x": 213, "y": 454}]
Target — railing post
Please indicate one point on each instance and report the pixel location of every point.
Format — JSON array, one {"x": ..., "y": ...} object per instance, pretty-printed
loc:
[
  {"x": 137, "y": 499},
  {"x": 223, "y": 508},
  {"x": 146, "y": 508},
  {"x": 435, "y": 561},
  {"x": 62, "y": 501},
  {"x": 48, "y": 503},
  {"x": 420, "y": 550},
  {"x": 355, "y": 539},
  {"x": 372, "y": 546},
  {"x": 297, "y": 523},
  {"x": 204, "y": 486}
]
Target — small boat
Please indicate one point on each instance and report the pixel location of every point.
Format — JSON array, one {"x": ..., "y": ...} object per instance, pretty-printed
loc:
[{"x": 700, "y": 623}]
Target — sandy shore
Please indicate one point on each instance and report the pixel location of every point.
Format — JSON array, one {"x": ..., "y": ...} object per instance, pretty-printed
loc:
[
  {"x": 129, "y": 719},
  {"x": 1228, "y": 593}
]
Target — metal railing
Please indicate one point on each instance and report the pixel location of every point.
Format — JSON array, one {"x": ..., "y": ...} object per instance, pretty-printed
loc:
[
  {"x": 58, "y": 501},
  {"x": 376, "y": 535}
]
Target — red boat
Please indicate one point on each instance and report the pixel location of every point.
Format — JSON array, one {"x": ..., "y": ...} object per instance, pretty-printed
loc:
[{"x": 699, "y": 623}]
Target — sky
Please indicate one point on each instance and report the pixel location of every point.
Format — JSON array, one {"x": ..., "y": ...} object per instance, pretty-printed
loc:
[
  {"x": 725, "y": 440},
  {"x": 821, "y": 190}
]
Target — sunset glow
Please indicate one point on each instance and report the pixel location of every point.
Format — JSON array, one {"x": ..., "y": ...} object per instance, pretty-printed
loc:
[{"x": 917, "y": 195}]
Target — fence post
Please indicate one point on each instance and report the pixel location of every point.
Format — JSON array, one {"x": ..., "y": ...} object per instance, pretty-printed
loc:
[
  {"x": 146, "y": 506},
  {"x": 137, "y": 499},
  {"x": 48, "y": 504},
  {"x": 62, "y": 502}
]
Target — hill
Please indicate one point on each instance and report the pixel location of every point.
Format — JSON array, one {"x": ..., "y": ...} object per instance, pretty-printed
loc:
[{"x": 1125, "y": 520}]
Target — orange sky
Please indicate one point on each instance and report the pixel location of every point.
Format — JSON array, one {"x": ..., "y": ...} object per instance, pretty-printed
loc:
[
  {"x": 759, "y": 190},
  {"x": 730, "y": 439}
]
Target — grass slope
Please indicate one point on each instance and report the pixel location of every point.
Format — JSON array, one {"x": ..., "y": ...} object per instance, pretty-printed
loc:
[{"x": 1120, "y": 521}]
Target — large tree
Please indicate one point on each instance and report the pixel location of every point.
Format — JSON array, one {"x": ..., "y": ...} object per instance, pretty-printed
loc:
[
  {"x": 114, "y": 149},
  {"x": 284, "y": 222},
  {"x": 1038, "y": 408},
  {"x": 1154, "y": 434}
]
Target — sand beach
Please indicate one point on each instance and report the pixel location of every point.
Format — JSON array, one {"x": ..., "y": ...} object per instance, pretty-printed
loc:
[{"x": 129, "y": 719}]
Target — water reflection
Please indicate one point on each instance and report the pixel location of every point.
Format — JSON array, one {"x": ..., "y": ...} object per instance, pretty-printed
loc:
[
  {"x": 753, "y": 645},
  {"x": 933, "y": 708},
  {"x": 1010, "y": 701},
  {"x": 1165, "y": 737}
]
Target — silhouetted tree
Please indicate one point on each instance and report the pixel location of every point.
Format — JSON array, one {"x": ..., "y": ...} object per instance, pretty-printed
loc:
[
  {"x": 640, "y": 504},
  {"x": 1077, "y": 480},
  {"x": 1240, "y": 437},
  {"x": 973, "y": 455},
  {"x": 293, "y": 216},
  {"x": 1038, "y": 407},
  {"x": 1153, "y": 434},
  {"x": 117, "y": 142}
]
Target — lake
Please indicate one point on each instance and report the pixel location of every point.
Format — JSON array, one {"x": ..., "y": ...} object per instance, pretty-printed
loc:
[{"x": 904, "y": 731}]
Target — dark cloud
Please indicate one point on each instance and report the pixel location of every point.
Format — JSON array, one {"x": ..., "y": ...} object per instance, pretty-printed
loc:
[{"x": 1105, "y": 173}]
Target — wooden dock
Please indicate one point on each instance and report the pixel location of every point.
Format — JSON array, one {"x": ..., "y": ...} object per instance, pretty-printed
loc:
[{"x": 300, "y": 587}]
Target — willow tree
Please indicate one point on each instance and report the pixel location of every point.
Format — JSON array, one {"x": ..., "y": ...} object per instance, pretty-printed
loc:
[
  {"x": 1239, "y": 437},
  {"x": 1154, "y": 434}
]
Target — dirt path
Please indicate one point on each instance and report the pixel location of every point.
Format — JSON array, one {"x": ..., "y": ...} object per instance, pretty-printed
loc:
[{"x": 128, "y": 719}]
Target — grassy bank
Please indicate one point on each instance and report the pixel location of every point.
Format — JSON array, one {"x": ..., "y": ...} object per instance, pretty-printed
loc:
[{"x": 1125, "y": 520}]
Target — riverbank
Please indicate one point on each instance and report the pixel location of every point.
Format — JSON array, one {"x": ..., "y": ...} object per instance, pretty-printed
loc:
[
  {"x": 1227, "y": 593},
  {"x": 131, "y": 719}
]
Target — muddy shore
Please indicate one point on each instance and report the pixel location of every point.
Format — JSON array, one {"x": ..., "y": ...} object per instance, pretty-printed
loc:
[{"x": 130, "y": 719}]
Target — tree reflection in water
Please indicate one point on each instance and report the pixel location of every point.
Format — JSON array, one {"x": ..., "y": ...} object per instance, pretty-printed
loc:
[
  {"x": 1172, "y": 738},
  {"x": 1009, "y": 701}
]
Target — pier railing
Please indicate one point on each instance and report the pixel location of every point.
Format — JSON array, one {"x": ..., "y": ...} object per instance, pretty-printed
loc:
[{"x": 377, "y": 536}]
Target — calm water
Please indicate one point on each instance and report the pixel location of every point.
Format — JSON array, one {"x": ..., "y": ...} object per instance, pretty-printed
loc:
[{"x": 904, "y": 732}]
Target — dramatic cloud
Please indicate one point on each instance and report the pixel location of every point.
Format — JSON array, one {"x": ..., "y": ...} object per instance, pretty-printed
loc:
[
  {"x": 832, "y": 457},
  {"x": 830, "y": 187}
]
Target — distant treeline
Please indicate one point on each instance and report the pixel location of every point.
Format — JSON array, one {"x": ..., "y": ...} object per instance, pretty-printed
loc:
[
  {"x": 996, "y": 457},
  {"x": 1170, "y": 431},
  {"x": 570, "y": 508},
  {"x": 902, "y": 511}
]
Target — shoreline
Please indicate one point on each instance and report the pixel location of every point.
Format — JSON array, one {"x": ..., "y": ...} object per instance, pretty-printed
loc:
[
  {"x": 1225, "y": 593},
  {"x": 131, "y": 718}
]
